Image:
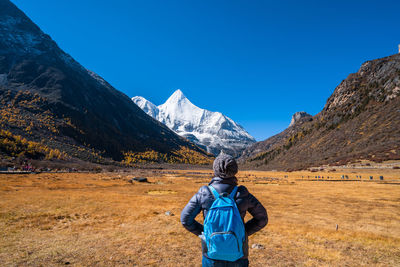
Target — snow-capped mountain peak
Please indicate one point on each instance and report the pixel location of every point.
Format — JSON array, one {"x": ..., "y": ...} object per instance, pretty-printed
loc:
[
  {"x": 176, "y": 97},
  {"x": 178, "y": 113},
  {"x": 211, "y": 130}
]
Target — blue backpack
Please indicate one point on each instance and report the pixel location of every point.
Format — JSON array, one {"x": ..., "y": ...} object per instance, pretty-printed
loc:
[{"x": 223, "y": 228}]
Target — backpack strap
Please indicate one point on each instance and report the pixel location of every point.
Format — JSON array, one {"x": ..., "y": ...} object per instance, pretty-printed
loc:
[
  {"x": 213, "y": 191},
  {"x": 233, "y": 193},
  {"x": 216, "y": 194}
]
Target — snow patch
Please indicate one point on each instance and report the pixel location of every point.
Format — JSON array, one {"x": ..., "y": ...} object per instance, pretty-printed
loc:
[
  {"x": 18, "y": 39},
  {"x": 3, "y": 79},
  {"x": 8, "y": 21}
]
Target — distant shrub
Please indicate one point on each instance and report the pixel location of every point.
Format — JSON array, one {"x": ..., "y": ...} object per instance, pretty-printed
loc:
[
  {"x": 111, "y": 168},
  {"x": 97, "y": 169}
]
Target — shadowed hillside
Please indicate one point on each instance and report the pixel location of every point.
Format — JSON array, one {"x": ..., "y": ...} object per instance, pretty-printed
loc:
[{"x": 49, "y": 98}]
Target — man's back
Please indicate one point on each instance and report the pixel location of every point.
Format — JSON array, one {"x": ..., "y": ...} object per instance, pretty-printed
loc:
[{"x": 204, "y": 198}]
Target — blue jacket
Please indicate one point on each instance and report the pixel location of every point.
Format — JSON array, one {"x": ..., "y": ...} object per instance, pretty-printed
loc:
[{"x": 245, "y": 201}]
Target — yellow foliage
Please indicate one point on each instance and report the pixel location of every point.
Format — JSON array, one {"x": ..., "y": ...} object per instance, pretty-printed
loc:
[
  {"x": 11, "y": 113},
  {"x": 17, "y": 146},
  {"x": 182, "y": 155}
]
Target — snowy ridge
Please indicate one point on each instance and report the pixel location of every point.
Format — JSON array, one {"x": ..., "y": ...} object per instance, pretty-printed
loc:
[
  {"x": 146, "y": 106},
  {"x": 212, "y": 131}
]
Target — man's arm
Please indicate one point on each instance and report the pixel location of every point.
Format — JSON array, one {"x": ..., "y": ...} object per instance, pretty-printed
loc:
[
  {"x": 189, "y": 214},
  {"x": 260, "y": 216}
]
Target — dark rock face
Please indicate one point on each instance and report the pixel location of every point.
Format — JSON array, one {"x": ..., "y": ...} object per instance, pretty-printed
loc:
[
  {"x": 64, "y": 104},
  {"x": 300, "y": 117},
  {"x": 361, "y": 120}
]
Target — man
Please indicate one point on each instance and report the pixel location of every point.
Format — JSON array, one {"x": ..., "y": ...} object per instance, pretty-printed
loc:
[{"x": 225, "y": 169}]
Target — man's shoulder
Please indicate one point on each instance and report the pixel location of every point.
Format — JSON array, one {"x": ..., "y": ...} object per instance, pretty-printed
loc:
[
  {"x": 203, "y": 190},
  {"x": 242, "y": 191}
]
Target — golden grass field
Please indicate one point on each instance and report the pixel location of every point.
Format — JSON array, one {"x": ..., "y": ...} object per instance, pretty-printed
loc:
[{"x": 83, "y": 219}]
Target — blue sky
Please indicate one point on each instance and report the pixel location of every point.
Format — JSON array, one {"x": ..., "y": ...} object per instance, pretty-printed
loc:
[{"x": 257, "y": 62}]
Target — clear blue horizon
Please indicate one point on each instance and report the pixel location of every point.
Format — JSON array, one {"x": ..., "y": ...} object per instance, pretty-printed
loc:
[{"x": 257, "y": 62}]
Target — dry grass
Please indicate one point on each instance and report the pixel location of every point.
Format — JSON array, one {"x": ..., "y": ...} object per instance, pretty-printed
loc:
[{"x": 103, "y": 220}]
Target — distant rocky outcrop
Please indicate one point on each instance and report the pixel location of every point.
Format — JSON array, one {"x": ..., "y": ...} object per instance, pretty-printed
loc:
[
  {"x": 300, "y": 117},
  {"x": 360, "y": 120}
]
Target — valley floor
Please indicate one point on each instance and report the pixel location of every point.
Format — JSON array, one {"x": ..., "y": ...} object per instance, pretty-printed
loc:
[{"x": 102, "y": 219}]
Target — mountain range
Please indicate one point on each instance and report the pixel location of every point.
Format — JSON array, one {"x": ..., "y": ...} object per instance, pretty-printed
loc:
[
  {"x": 212, "y": 131},
  {"x": 50, "y": 102},
  {"x": 53, "y": 107},
  {"x": 360, "y": 121}
]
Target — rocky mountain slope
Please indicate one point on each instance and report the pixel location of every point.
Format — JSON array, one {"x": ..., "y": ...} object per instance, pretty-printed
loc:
[
  {"x": 298, "y": 119},
  {"x": 212, "y": 131},
  {"x": 48, "y": 98},
  {"x": 361, "y": 120}
]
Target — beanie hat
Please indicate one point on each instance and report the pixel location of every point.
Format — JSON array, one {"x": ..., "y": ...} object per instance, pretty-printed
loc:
[{"x": 225, "y": 166}]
